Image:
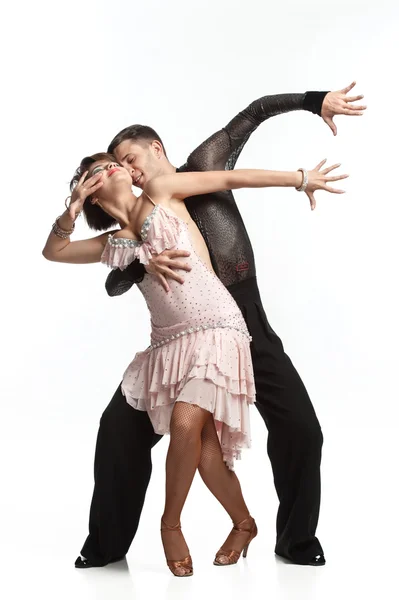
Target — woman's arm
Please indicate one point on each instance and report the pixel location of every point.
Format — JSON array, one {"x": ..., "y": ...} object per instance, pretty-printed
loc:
[
  {"x": 59, "y": 247},
  {"x": 183, "y": 185},
  {"x": 63, "y": 250}
]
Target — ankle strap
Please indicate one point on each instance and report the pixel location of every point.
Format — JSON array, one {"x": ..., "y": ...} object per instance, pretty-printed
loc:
[
  {"x": 165, "y": 526},
  {"x": 238, "y": 525}
]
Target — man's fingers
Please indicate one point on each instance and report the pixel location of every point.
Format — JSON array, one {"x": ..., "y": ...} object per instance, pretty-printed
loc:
[
  {"x": 348, "y": 109},
  {"x": 172, "y": 275},
  {"x": 345, "y": 110},
  {"x": 331, "y": 125},
  {"x": 353, "y": 98},
  {"x": 163, "y": 282},
  {"x": 349, "y": 87},
  {"x": 177, "y": 253},
  {"x": 353, "y": 112},
  {"x": 178, "y": 264},
  {"x": 357, "y": 106}
]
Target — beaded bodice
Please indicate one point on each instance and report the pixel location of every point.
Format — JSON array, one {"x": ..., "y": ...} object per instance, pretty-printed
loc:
[{"x": 202, "y": 302}]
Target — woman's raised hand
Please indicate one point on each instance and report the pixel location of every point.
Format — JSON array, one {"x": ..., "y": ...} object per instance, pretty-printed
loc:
[{"x": 82, "y": 190}]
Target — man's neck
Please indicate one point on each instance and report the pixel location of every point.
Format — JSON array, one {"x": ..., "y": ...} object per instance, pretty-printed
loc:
[{"x": 167, "y": 169}]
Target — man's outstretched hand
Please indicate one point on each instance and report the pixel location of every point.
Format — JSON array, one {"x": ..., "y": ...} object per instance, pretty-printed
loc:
[{"x": 339, "y": 103}]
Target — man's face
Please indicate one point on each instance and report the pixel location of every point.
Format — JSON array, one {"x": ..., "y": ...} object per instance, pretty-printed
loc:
[{"x": 141, "y": 160}]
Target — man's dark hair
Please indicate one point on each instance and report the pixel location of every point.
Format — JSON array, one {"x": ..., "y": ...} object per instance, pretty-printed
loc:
[
  {"x": 136, "y": 133},
  {"x": 95, "y": 216}
]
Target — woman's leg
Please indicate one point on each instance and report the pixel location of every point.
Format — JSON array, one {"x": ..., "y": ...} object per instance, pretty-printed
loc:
[
  {"x": 226, "y": 488},
  {"x": 217, "y": 477},
  {"x": 182, "y": 461}
]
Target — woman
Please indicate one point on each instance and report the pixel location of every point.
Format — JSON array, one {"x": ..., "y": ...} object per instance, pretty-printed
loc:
[{"x": 195, "y": 380}]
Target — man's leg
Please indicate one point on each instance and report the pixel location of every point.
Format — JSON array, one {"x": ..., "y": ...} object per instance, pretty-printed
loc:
[
  {"x": 295, "y": 438},
  {"x": 294, "y": 447},
  {"x": 122, "y": 470}
]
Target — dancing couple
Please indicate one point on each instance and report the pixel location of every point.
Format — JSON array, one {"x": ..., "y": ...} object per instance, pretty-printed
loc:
[{"x": 211, "y": 344}]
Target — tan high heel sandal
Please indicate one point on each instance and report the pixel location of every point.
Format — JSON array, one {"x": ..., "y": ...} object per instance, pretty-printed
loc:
[
  {"x": 179, "y": 568},
  {"x": 230, "y": 557}
]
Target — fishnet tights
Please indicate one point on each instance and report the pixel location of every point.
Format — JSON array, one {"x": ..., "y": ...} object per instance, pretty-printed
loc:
[
  {"x": 194, "y": 445},
  {"x": 219, "y": 480}
]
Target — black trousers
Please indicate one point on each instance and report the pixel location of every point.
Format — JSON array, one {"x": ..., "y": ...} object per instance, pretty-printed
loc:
[{"x": 123, "y": 467}]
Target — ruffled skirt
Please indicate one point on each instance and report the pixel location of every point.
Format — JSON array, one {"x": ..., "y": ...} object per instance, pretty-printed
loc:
[{"x": 211, "y": 369}]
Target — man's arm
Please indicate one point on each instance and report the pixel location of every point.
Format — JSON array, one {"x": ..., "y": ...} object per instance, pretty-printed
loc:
[
  {"x": 222, "y": 149},
  {"x": 118, "y": 282},
  {"x": 247, "y": 121}
]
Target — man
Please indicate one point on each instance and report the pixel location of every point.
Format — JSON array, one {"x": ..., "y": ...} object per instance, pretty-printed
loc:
[{"x": 125, "y": 438}]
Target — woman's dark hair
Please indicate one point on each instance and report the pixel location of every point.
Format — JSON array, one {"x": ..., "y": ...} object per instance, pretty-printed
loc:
[
  {"x": 136, "y": 133},
  {"x": 96, "y": 218}
]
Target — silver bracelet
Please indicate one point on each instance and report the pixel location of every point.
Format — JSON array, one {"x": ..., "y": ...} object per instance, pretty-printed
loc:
[
  {"x": 60, "y": 232},
  {"x": 304, "y": 183}
]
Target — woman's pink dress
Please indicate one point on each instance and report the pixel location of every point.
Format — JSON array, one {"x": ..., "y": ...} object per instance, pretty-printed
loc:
[{"x": 200, "y": 344}]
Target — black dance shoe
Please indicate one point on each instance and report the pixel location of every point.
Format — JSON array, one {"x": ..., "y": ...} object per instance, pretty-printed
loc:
[
  {"x": 85, "y": 563},
  {"x": 317, "y": 561}
]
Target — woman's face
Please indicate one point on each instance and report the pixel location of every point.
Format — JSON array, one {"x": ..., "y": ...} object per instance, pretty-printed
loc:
[{"x": 114, "y": 178}]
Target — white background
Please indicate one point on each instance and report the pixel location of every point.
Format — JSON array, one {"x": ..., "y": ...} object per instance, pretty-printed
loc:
[{"x": 75, "y": 73}]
